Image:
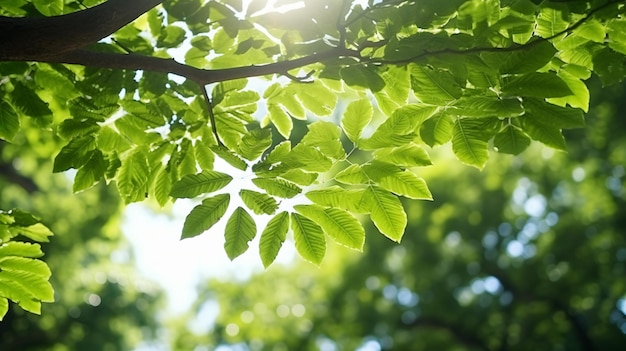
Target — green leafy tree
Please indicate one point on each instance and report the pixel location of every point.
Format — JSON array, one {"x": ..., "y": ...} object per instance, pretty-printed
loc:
[
  {"x": 410, "y": 75},
  {"x": 526, "y": 255}
]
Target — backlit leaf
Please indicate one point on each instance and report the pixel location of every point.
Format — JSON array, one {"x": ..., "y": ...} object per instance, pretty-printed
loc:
[
  {"x": 511, "y": 140},
  {"x": 357, "y": 115},
  {"x": 337, "y": 223},
  {"x": 204, "y": 216},
  {"x": 193, "y": 185},
  {"x": 273, "y": 237},
  {"x": 277, "y": 187},
  {"x": 9, "y": 121},
  {"x": 133, "y": 176},
  {"x": 259, "y": 203},
  {"x": 469, "y": 143},
  {"x": 335, "y": 196},
  {"x": 240, "y": 229},
  {"x": 385, "y": 211},
  {"x": 536, "y": 84},
  {"x": 409, "y": 155},
  {"x": 309, "y": 238}
]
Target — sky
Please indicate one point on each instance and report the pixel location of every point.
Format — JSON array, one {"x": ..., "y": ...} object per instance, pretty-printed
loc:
[{"x": 180, "y": 265}]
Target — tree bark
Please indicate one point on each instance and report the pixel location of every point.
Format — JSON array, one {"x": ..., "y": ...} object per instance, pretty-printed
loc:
[{"x": 41, "y": 38}]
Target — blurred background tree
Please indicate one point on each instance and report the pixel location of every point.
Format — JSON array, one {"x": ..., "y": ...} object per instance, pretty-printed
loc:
[
  {"x": 529, "y": 254},
  {"x": 101, "y": 303}
]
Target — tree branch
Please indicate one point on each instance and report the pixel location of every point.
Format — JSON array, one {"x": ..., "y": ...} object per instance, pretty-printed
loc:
[
  {"x": 201, "y": 76},
  {"x": 35, "y": 38}
]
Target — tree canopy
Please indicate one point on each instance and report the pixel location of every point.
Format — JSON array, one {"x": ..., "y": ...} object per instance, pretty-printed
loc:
[{"x": 158, "y": 98}]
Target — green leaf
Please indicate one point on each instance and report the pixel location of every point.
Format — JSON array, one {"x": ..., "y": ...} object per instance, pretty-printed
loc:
[
  {"x": 434, "y": 86},
  {"x": 337, "y": 223},
  {"x": 230, "y": 157},
  {"x": 133, "y": 176},
  {"x": 37, "y": 232},
  {"x": 71, "y": 128},
  {"x": 580, "y": 96},
  {"x": 401, "y": 182},
  {"x": 204, "y": 216},
  {"x": 171, "y": 37},
  {"x": 324, "y": 136},
  {"x": 353, "y": 174},
  {"x": 385, "y": 211},
  {"x": 24, "y": 279},
  {"x": 163, "y": 185},
  {"x": 9, "y": 121},
  {"x": 109, "y": 140},
  {"x": 309, "y": 238},
  {"x": 193, "y": 185},
  {"x": 49, "y": 8},
  {"x": 259, "y": 203},
  {"x": 437, "y": 130},
  {"x": 31, "y": 274},
  {"x": 335, "y": 196},
  {"x": 316, "y": 97},
  {"x": 307, "y": 158},
  {"x": 300, "y": 177},
  {"x": 358, "y": 114},
  {"x": 409, "y": 155},
  {"x": 617, "y": 36},
  {"x": 400, "y": 127},
  {"x": 273, "y": 237},
  {"x": 240, "y": 230},
  {"x": 16, "y": 248},
  {"x": 551, "y": 21},
  {"x": 204, "y": 156},
  {"x": 4, "y": 307},
  {"x": 91, "y": 173},
  {"x": 536, "y": 84},
  {"x": 511, "y": 140},
  {"x": 281, "y": 120},
  {"x": 554, "y": 116},
  {"x": 196, "y": 57},
  {"x": 359, "y": 75},
  {"x": 75, "y": 154},
  {"x": 26, "y": 101},
  {"x": 483, "y": 106},
  {"x": 469, "y": 142},
  {"x": 527, "y": 60},
  {"x": 142, "y": 115},
  {"x": 254, "y": 143},
  {"x": 277, "y": 187},
  {"x": 535, "y": 128}
]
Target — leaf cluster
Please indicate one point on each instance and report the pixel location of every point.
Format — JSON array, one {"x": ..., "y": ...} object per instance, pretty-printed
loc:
[
  {"x": 378, "y": 84},
  {"x": 23, "y": 277}
]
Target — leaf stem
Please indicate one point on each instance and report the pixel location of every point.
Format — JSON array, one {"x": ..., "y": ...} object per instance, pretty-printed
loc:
[{"x": 211, "y": 115}]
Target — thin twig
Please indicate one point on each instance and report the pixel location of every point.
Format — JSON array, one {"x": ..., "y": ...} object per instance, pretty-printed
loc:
[{"x": 211, "y": 115}]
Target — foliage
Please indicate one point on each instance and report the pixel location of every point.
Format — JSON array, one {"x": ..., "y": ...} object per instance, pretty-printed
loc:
[
  {"x": 528, "y": 254},
  {"x": 23, "y": 278},
  {"x": 100, "y": 301},
  {"x": 415, "y": 74}
]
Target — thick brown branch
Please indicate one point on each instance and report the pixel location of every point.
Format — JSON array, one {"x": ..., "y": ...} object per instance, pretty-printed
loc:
[
  {"x": 36, "y": 38},
  {"x": 201, "y": 76}
]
